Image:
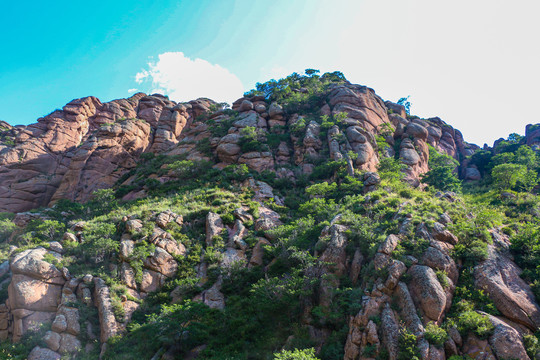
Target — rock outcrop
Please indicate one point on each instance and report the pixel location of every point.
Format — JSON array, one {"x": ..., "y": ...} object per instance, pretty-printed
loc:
[
  {"x": 89, "y": 145},
  {"x": 500, "y": 278}
]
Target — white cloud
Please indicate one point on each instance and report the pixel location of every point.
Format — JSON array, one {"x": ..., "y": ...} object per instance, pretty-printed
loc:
[
  {"x": 184, "y": 79},
  {"x": 132, "y": 91}
]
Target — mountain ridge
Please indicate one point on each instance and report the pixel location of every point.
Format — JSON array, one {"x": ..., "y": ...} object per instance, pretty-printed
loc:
[{"x": 63, "y": 131}]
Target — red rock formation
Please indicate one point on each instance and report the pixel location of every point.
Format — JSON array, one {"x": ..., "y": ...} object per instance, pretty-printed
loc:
[{"x": 89, "y": 145}]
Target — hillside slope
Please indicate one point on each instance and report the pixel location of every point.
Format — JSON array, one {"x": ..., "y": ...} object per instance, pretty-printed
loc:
[{"x": 310, "y": 215}]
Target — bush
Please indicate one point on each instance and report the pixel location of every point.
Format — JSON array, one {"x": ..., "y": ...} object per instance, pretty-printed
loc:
[
  {"x": 532, "y": 345},
  {"x": 435, "y": 335},
  {"x": 307, "y": 354},
  {"x": 506, "y": 176},
  {"x": 252, "y": 140},
  {"x": 391, "y": 169},
  {"x": 471, "y": 321},
  {"x": 408, "y": 349},
  {"x": 6, "y": 226},
  {"x": 442, "y": 174},
  {"x": 443, "y": 278}
]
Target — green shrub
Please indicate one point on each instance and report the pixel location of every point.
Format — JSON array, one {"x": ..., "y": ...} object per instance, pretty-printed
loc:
[
  {"x": 391, "y": 169},
  {"x": 297, "y": 354},
  {"x": 532, "y": 344},
  {"x": 228, "y": 218},
  {"x": 435, "y": 335},
  {"x": 252, "y": 140},
  {"x": 204, "y": 147},
  {"x": 471, "y": 321},
  {"x": 443, "y": 278},
  {"x": 408, "y": 349},
  {"x": 406, "y": 193},
  {"x": 442, "y": 173},
  {"x": 6, "y": 226}
]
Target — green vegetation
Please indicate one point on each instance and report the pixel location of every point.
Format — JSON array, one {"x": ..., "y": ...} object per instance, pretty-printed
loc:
[
  {"x": 471, "y": 321},
  {"x": 442, "y": 173},
  {"x": 273, "y": 310},
  {"x": 298, "y": 92},
  {"x": 308, "y": 354},
  {"x": 408, "y": 350},
  {"x": 435, "y": 335}
]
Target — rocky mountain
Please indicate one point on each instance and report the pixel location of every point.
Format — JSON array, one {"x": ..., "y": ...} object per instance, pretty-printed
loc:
[{"x": 310, "y": 215}]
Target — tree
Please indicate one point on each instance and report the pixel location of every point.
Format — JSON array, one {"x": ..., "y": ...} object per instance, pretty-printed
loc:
[
  {"x": 406, "y": 103},
  {"x": 441, "y": 174},
  {"x": 526, "y": 156},
  {"x": 506, "y": 176}
]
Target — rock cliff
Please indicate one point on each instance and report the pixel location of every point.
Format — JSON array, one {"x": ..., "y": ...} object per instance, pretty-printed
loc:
[{"x": 265, "y": 202}]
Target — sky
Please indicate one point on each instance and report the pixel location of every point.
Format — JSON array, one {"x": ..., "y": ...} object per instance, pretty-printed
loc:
[{"x": 473, "y": 63}]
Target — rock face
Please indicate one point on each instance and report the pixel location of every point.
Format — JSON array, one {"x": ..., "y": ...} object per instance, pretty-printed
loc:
[
  {"x": 427, "y": 291},
  {"x": 35, "y": 290},
  {"x": 85, "y": 146},
  {"x": 100, "y": 161},
  {"x": 88, "y": 145},
  {"x": 499, "y": 277},
  {"x": 506, "y": 342},
  {"x": 109, "y": 326}
]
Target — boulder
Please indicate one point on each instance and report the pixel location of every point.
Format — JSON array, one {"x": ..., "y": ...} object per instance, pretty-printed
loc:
[
  {"x": 72, "y": 319},
  {"x": 162, "y": 262},
  {"x": 258, "y": 161},
  {"x": 69, "y": 344},
  {"x": 389, "y": 245},
  {"x": 477, "y": 348},
  {"x": 30, "y": 263},
  {"x": 258, "y": 253},
  {"x": 52, "y": 339},
  {"x": 268, "y": 220},
  {"x": 242, "y": 213},
  {"x": 151, "y": 280},
  {"x": 416, "y": 131},
  {"x": 108, "y": 325},
  {"x": 275, "y": 110},
  {"x": 246, "y": 105},
  {"x": 439, "y": 260},
  {"x": 427, "y": 292},
  {"x": 214, "y": 298},
  {"x": 165, "y": 241},
  {"x": 32, "y": 294},
  {"x": 408, "y": 310},
  {"x": 472, "y": 174},
  {"x": 441, "y": 234},
  {"x": 233, "y": 256},
  {"x": 59, "y": 324},
  {"x": 356, "y": 266},
  {"x": 214, "y": 227},
  {"x": 334, "y": 255},
  {"x": 39, "y": 353},
  {"x": 390, "y": 332},
  {"x": 506, "y": 342},
  {"x": 408, "y": 154},
  {"x": 500, "y": 278},
  {"x": 228, "y": 148},
  {"x": 360, "y": 103},
  {"x": 126, "y": 248},
  {"x": 163, "y": 219},
  {"x": 134, "y": 226},
  {"x": 127, "y": 275}
]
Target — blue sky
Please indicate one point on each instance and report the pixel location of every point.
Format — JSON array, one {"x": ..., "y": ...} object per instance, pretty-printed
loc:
[{"x": 473, "y": 63}]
